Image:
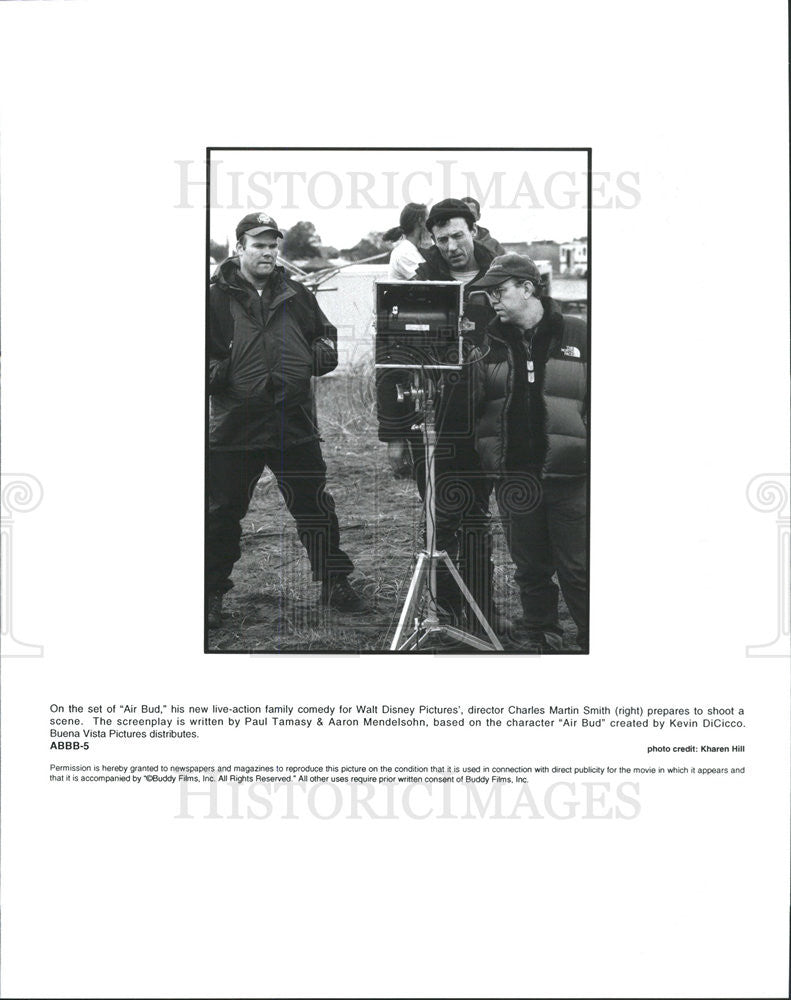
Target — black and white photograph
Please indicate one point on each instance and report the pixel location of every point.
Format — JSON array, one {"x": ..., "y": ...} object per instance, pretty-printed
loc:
[
  {"x": 394, "y": 604},
  {"x": 398, "y": 354}
]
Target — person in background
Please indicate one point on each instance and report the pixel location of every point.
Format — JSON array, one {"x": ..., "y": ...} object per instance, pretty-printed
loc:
[
  {"x": 530, "y": 386},
  {"x": 483, "y": 235},
  {"x": 406, "y": 256}
]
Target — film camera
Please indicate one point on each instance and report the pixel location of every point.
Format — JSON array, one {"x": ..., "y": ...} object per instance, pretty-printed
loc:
[
  {"x": 418, "y": 322},
  {"x": 419, "y": 347}
]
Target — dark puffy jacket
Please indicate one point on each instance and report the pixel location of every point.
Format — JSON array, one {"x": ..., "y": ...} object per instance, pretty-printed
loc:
[
  {"x": 261, "y": 356},
  {"x": 454, "y": 407},
  {"x": 538, "y": 426}
]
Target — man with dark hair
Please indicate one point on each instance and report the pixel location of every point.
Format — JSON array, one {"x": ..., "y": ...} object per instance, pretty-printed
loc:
[
  {"x": 483, "y": 235},
  {"x": 267, "y": 336},
  {"x": 531, "y": 390},
  {"x": 462, "y": 488}
]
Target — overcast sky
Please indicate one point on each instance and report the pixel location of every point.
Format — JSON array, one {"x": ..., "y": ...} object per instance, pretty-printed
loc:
[{"x": 346, "y": 194}]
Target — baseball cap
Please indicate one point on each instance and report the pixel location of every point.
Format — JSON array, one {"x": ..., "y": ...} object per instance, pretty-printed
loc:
[
  {"x": 449, "y": 208},
  {"x": 508, "y": 265},
  {"x": 257, "y": 222}
]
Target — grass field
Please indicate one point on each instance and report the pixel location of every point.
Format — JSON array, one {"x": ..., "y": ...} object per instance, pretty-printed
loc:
[{"x": 274, "y": 605}]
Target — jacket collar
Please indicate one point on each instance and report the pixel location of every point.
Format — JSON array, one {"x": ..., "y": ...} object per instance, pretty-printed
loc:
[
  {"x": 550, "y": 324},
  {"x": 228, "y": 276},
  {"x": 483, "y": 258}
]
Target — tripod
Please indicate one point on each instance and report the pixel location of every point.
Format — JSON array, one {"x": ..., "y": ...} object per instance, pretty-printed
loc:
[{"x": 419, "y": 620}]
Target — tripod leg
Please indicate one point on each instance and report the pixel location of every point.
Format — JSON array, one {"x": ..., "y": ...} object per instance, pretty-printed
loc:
[
  {"x": 413, "y": 596},
  {"x": 425, "y": 636},
  {"x": 471, "y": 640},
  {"x": 412, "y": 641},
  {"x": 470, "y": 600}
]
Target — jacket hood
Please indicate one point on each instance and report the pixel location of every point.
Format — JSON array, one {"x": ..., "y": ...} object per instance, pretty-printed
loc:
[{"x": 228, "y": 275}]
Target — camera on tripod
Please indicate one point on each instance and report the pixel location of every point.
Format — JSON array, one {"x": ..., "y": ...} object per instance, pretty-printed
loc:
[
  {"x": 419, "y": 354},
  {"x": 418, "y": 324},
  {"x": 419, "y": 339}
]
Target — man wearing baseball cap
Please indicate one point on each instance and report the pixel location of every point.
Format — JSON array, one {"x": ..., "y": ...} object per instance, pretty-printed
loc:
[
  {"x": 531, "y": 388},
  {"x": 462, "y": 489},
  {"x": 267, "y": 336}
]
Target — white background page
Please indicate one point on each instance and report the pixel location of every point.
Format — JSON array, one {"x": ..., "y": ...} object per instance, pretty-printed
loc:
[{"x": 104, "y": 891}]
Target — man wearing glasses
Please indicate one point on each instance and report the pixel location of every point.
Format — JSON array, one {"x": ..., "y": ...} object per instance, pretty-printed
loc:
[{"x": 531, "y": 388}]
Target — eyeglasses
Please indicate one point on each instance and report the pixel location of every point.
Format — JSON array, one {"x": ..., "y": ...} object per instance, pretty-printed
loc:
[{"x": 494, "y": 294}]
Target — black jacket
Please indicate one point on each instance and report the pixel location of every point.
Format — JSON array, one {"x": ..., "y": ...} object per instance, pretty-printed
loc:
[
  {"x": 261, "y": 355},
  {"x": 538, "y": 426}
]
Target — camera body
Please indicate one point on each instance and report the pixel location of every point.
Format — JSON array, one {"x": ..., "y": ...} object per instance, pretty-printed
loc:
[
  {"x": 418, "y": 322},
  {"x": 419, "y": 357}
]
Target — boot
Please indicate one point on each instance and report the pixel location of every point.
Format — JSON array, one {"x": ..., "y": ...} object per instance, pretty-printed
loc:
[{"x": 338, "y": 593}]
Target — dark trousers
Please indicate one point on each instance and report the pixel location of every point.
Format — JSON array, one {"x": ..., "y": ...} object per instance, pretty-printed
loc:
[
  {"x": 463, "y": 523},
  {"x": 301, "y": 477},
  {"x": 546, "y": 528}
]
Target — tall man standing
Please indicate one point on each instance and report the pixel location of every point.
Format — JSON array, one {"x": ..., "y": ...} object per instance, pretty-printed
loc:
[
  {"x": 531, "y": 388},
  {"x": 267, "y": 336},
  {"x": 462, "y": 488}
]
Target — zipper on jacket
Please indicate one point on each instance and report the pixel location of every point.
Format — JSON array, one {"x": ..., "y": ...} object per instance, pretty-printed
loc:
[{"x": 509, "y": 367}]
